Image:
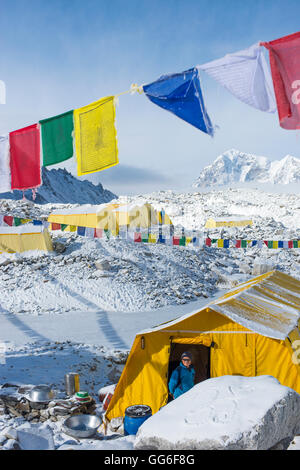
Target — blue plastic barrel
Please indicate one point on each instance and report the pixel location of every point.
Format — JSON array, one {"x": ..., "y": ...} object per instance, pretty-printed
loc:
[{"x": 135, "y": 416}]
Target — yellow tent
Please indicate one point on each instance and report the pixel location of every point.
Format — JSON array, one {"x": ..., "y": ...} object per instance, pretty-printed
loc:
[
  {"x": 101, "y": 216},
  {"x": 109, "y": 216},
  {"x": 250, "y": 331},
  {"x": 227, "y": 222},
  {"x": 139, "y": 215},
  {"x": 24, "y": 238}
]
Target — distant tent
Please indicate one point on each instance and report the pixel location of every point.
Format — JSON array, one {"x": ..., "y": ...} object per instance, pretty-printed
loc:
[
  {"x": 227, "y": 222},
  {"x": 252, "y": 330},
  {"x": 140, "y": 215},
  {"x": 24, "y": 238},
  {"x": 109, "y": 216}
]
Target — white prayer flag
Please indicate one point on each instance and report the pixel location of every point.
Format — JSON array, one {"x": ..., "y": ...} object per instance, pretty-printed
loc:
[
  {"x": 247, "y": 76},
  {"x": 5, "y": 178}
]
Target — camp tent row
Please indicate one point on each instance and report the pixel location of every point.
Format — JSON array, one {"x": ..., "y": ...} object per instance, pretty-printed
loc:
[
  {"x": 24, "y": 238},
  {"x": 250, "y": 331},
  {"x": 110, "y": 216}
]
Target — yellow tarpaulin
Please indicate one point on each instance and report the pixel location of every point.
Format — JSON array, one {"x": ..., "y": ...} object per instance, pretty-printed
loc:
[{"x": 96, "y": 136}]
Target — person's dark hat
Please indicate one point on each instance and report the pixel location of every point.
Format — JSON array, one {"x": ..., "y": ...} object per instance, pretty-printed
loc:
[{"x": 186, "y": 354}]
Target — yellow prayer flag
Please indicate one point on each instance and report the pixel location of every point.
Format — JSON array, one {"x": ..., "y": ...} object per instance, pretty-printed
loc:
[
  {"x": 95, "y": 136},
  {"x": 220, "y": 243},
  {"x": 152, "y": 238},
  {"x": 275, "y": 244}
]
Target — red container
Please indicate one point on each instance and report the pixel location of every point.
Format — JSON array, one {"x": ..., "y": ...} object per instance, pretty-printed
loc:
[{"x": 106, "y": 400}]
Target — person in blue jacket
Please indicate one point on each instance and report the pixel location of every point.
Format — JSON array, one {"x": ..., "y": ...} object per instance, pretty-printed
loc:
[{"x": 182, "y": 378}]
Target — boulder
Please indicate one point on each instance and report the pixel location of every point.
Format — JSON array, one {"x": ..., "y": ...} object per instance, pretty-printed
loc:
[
  {"x": 225, "y": 413},
  {"x": 36, "y": 437},
  {"x": 103, "y": 265}
]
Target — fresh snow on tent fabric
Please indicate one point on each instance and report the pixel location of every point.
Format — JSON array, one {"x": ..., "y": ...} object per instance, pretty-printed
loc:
[
  {"x": 5, "y": 178},
  {"x": 245, "y": 74},
  {"x": 57, "y": 139},
  {"x": 25, "y": 162},
  {"x": 285, "y": 68},
  {"x": 96, "y": 136},
  {"x": 181, "y": 94}
]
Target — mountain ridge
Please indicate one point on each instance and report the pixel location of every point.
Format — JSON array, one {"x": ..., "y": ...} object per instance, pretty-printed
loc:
[
  {"x": 60, "y": 186},
  {"x": 234, "y": 166}
]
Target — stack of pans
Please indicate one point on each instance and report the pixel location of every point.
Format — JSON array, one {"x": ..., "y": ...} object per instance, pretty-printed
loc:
[{"x": 82, "y": 397}]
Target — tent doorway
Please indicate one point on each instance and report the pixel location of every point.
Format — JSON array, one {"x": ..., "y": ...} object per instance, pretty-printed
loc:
[{"x": 201, "y": 359}]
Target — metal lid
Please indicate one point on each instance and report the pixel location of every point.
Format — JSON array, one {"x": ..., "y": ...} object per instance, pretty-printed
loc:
[{"x": 138, "y": 411}]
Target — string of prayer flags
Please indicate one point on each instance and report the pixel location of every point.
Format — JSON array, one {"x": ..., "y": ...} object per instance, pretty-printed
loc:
[
  {"x": 5, "y": 178},
  {"x": 285, "y": 67},
  {"x": 57, "y": 138},
  {"x": 25, "y": 164},
  {"x": 245, "y": 74},
  {"x": 96, "y": 136},
  {"x": 181, "y": 94}
]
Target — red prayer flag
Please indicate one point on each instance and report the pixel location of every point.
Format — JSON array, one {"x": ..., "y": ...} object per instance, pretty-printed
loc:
[
  {"x": 25, "y": 163},
  {"x": 98, "y": 233},
  {"x": 208, "y": 242},
  {"x": 137, "y": 237},
  {"x": 290, "y": 244},
  {"x": 238, "y": 244},
  {"x": 8, "y": 220},
  {"x": 55, "y": 226},
  {"x": 285, "y": 67},
  {"x": 175, "y": 240}
]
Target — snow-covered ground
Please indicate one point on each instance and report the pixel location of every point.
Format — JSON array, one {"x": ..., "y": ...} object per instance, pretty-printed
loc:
[{"x": 78, "y": 309}]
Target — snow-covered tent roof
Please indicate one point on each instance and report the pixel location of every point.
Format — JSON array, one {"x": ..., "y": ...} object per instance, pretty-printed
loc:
[{"x": 268, "y": 305}]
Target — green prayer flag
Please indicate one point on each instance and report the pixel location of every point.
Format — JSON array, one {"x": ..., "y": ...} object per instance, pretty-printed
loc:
[
  {"x": 270, "y": 243},
  {"x": 182, "y": 241},
  {"x": 17, "y": 221},
  {"x": 63, "y": 227},
  {"x": 295, "y": 243},
  {"x": 57, "y": 139},
  {"x": 244, "y": 243},
  {"x": 214, "y": 240}
]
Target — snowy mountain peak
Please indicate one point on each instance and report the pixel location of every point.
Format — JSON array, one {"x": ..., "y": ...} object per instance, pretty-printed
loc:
[
  {"x": 59, "y": 186},
  {"x": 234, "y": 166}
]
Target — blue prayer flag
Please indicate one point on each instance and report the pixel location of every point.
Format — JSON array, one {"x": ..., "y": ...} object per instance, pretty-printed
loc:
[
  {"x": 226, "y": 243},
  {"x": 81, "y": 231},
  {"x": 181, "y": 94},
  {"x": 280, "y": 244},
  {"x": 37, "y": 222}
]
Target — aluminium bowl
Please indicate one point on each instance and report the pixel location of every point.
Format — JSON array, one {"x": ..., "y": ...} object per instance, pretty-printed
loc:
[
  {"x": 41, "y": 394},
  {"x": 81, "y": 425}
]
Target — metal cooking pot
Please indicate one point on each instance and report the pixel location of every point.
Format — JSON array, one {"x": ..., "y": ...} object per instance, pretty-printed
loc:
[
  {"x": 41, "y": 394},
  {"x": 81, "y": 425}
]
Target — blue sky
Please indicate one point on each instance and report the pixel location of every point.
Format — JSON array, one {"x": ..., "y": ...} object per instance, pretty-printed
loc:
[{"x": 63, "y": 54}]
